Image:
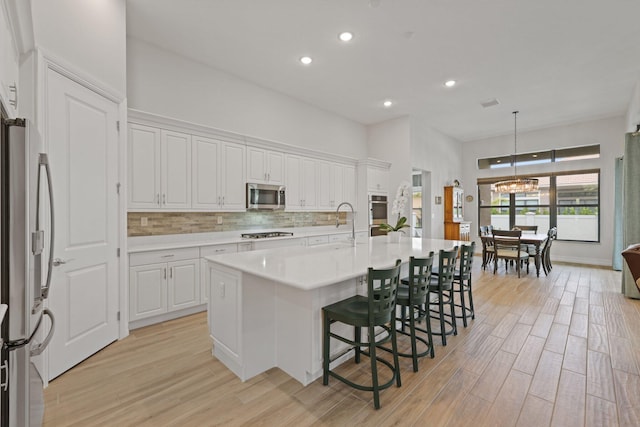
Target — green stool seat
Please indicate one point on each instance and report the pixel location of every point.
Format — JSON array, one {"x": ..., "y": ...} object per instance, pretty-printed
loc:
[{"x": 371, "y": 311}]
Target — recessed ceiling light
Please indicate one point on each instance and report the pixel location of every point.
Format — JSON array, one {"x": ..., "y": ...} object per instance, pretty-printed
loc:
[
  {"x": 388, "y": 103},
  {"x": 450, "y": 83},
  {"x": 306, "y": 60},
  {"x": 345, "y": 36}
]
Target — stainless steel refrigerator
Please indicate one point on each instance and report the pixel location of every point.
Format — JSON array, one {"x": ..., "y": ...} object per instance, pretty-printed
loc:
[{"x": 26, "y": 229}]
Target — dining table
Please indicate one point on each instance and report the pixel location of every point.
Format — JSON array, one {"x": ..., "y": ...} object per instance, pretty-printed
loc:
[{"x": 535, "y": 239}]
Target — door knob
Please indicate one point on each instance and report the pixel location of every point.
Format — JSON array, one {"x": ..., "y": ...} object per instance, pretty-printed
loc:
[{"x": 58, "y": 261}]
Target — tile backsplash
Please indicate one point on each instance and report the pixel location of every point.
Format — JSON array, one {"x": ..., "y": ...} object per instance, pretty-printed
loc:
[{"x": 160, "y": 223}]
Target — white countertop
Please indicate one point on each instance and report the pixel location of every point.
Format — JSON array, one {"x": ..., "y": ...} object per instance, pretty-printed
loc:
[
  {"x": 310, "y": 267},
  {"x": 175, "y": 241}
]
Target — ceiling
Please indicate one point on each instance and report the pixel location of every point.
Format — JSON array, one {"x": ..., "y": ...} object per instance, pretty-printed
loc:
[{"x": 556, "y": 61}]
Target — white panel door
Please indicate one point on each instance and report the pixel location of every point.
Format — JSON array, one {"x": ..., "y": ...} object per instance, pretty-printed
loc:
[
  {"x": 144, "y": 166},
  {"x": 232, "y": 180},
  {"x": 176, "y": 170},
  {"x": 205, "y": 182},
  {"x": 83, "y": 147}
]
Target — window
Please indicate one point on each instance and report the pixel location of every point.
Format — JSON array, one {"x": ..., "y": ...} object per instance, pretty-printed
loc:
[
  {"x": 547, "y": 156},
  {"x": 569, "y": 201}
]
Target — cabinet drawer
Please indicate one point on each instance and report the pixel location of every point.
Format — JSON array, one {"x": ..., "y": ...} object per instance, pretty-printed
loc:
[
  {"x": 465, "y": 228},
  {"x": 318, "y": 240},
  {"x": 339, "y": 237},
  {"x": 218, "y": 249},
  {"x": 168, "y": 255}
]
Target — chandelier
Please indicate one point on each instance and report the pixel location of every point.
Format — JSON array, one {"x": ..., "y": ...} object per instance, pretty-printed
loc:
[{"x": 516, "y": 185}]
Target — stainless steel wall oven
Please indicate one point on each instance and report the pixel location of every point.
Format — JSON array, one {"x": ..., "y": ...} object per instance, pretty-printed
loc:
[{"x": 377, "y": 214}]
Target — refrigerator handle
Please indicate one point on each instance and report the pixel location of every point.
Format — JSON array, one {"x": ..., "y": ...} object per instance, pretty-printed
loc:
[
  {"x": 44, "y": 161},
  {"x": 37, "y": 350}
]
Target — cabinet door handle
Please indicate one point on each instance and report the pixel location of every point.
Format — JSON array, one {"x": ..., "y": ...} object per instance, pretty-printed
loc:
[
  {"x": 167, "y": 256},
  {"x": 170, "y": 272},
  {"x": 157, "y": 198},
  {"x": 223, "y": 200},
  {"x": 165, "y": 272},
  {"x": 268, "y": 176},
  {"x": 164, "y": 199}
]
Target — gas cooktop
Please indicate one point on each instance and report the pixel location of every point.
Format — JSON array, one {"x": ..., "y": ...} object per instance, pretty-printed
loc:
[{"x": 265, "y": 235}]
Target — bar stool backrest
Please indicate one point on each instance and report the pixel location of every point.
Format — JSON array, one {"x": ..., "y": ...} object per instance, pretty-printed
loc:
[
  {"x": 382, "y": 288},
  {"x": 446, "y": 268},
  {"x": 419, "y": 278},
  {"x": 466, "y": 260}
]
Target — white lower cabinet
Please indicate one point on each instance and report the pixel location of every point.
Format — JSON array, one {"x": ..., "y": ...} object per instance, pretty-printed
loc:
[
  {"x": 147, "y": 291},
  {"x": 161, "y": 282},
  {"x": 224, "y": 310},
  {"x": 183, "y": 284}
]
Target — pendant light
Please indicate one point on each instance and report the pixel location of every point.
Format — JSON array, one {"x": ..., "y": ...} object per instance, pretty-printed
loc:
[{"x": 516, "y": 185}]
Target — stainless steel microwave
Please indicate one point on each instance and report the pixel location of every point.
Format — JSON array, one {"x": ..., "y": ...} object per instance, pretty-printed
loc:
[{"x": 266, "y": 197}]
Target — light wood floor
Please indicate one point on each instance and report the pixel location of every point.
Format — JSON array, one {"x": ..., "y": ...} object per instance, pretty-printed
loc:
[{"x": 562, "y": 350}]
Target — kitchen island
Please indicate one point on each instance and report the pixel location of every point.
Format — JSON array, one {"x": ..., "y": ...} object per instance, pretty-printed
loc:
[{"x": 265, "y": 307}]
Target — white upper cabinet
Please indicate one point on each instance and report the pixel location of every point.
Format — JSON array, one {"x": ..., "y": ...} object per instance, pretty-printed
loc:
[
  {"x": 159, "y": 168},
  {"x": 336, "y": 184},
  {"x": 217, "y": 175},
  {"x": 205, "y": 163},
  {"x": 232, "y": 181},
  {"x": 265, "y": 166},
  {"x": 176, "y": 170},
  {"x": 377, "y": 179},
  {"x": 350, "y": 185},
  {"x": 144, "y": 167},
  {"x": 9, "y": 66},
  {"x": 301, "y": 182}
]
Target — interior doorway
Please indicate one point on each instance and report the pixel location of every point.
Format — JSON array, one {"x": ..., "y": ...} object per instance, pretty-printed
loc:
[{"x": 420, "y": 206}]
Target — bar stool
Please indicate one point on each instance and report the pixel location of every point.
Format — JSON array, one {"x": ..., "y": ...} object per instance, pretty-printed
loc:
[
  {"x": 462, "y": 278},
  {"x": 413, "y": 294},
  {"x": 376, "y": 309},
  {"x": 443, "y": 289}
]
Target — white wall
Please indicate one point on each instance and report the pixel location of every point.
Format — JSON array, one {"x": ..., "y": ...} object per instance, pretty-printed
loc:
[
  {"x": 609, "y": 133},
  {"x": 390, "y": 141},
  {"x": 89, "y": 35},
  {"x": 440, "y": 155},
  {"x": 166, "y": 84}
]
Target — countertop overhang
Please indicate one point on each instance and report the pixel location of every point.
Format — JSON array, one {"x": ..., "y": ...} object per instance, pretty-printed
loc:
[{"x": 311, "y": 267}]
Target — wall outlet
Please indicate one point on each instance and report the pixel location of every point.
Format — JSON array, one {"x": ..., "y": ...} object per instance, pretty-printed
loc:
[
  {"x": 144, "y": 221},
  {"x": 219, "y": 220}
]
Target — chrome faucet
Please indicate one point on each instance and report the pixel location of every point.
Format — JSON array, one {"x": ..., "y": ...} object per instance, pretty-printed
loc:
[{"x": 353, "y": 220}]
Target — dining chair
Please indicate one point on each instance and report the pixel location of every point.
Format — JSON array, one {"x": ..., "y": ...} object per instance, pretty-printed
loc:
[
  {"x": 376, "y": 310},
  {"x": 527, "y": 229},
  {"x": 487, "y": 245},
  {"x": 507, "y": 246},
  {"x": 552, "y": 235}
]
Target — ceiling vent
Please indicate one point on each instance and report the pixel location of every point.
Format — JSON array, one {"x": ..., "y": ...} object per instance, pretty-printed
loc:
[{"x": 489, "y": 103}]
